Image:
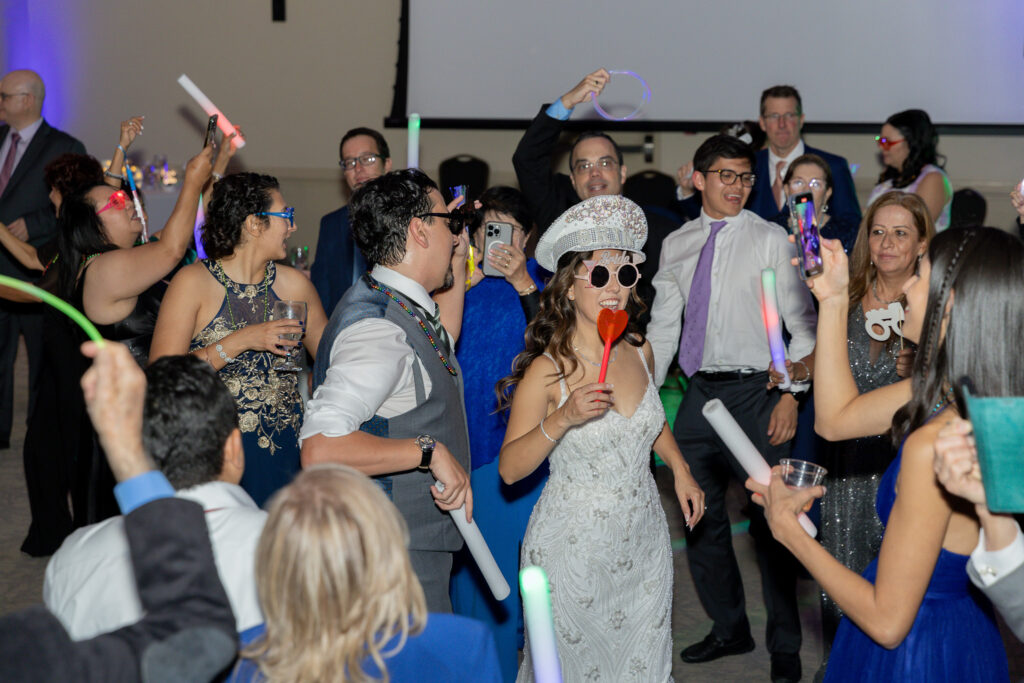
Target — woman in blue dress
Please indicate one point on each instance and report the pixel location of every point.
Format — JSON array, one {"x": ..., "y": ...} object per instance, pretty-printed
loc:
[
  {"x": 219, "y": 310},
  {"x": 911, "y": 616},
  {"x": 497, "y": 310}
]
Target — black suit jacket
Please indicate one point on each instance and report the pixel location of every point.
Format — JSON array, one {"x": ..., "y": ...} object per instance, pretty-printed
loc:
[
  {"x": 549, "y": 194},
  {"x": 843, "y": 204},
  {"x": 26, "y": 195},
  {"x": 188, "y": 632}
]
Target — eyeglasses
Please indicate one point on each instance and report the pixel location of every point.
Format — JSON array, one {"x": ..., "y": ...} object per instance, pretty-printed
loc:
[
  {"x": 4, "y": 96},
  {"x": 599, "y": 275},
  {"x": 456, "y": 220},
  {"x": 798, "y": 185},
  {"x": 289, "y": 213},
  {"x": 789, "y": 116},
  {"x": 117, "y": 201},
  {"x": 729, "y": 177},
  {"x": 602, "y": 163},
  {"x": 364, "y": 161},
  {"x": 886, "y": 143}
]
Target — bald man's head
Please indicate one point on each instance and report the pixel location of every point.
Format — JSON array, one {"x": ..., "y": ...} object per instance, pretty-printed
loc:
[{"x": 21, "y": 97}]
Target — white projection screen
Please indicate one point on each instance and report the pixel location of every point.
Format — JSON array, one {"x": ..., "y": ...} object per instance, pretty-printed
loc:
[{"x": 854, "y": 61}]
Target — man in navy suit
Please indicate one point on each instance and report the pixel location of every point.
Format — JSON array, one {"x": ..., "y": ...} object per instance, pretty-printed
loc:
[
  {"x": 27, "y": 145},
  {"x": 782, "y": 117},
  {"x": 364, "y": 156}
]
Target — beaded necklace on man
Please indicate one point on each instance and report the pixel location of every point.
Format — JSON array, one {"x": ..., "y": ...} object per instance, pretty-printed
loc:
[{"x": 405, "y": 307}]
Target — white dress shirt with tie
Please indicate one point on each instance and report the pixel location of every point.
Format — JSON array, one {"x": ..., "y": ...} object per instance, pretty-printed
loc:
[
  {"x": 735, "y": 337},
  {"x": 26, "y": 133}
]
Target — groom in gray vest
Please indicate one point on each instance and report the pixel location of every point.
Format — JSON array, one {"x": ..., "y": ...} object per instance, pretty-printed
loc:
[{"x": 387, "y": 394}]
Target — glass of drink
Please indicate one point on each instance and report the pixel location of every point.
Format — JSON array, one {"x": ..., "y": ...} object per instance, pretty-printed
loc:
[
  {"x": 800, "y": 474},
  {"x": 289, "y": 310}
]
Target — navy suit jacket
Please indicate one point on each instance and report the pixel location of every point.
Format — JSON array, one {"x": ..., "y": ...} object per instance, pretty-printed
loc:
[
  {"x": 339, "y": 263},
  {"x": 842, "y": 205},
  {"x": 26, "y": 195}
]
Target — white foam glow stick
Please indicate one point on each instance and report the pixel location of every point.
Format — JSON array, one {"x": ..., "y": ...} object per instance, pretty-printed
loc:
[
  {"x": 480, "y": 552},
  {"x": 744, "y": 451},
  {"x": 540, "y": 626},
  {"x": 413, "y": 155},
  {"x": 770, "y": 313},
  {"x": 210, "y": 108}
]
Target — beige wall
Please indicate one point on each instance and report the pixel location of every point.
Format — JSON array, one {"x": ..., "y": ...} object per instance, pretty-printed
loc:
[{"x": 296, "y": 86}]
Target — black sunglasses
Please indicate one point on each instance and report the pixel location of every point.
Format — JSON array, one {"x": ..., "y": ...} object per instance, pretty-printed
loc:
[{"x": 457, "y": 220}]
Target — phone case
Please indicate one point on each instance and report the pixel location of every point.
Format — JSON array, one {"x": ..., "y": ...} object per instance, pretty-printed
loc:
[{"x": 495, "y": 232}]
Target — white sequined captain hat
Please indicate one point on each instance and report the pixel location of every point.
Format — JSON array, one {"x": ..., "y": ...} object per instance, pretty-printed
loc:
[{"x": 602, "y": 222}]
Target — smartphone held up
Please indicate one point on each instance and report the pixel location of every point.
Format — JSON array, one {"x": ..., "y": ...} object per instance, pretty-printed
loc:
[{"x": 804, "y": 225}]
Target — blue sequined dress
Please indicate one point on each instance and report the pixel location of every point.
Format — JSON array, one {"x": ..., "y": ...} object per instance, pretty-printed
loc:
[
  {"x": 954, "y": 637},
  {"x": 269, "y": 404}
]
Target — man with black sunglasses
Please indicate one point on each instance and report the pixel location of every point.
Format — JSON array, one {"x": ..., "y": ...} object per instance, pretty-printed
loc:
[{"x": 364, "y": 155}]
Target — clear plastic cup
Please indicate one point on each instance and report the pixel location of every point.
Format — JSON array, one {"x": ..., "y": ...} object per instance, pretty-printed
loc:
[{"x": 800, "y": 474}]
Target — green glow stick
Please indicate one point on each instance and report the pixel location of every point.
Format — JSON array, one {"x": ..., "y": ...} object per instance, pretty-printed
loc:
[{"x": 58, "y": 303}]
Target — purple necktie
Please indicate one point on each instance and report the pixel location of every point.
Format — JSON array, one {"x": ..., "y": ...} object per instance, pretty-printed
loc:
[
  {"x": 8, "y": 169},
  {"x": 695, "y": 324}
]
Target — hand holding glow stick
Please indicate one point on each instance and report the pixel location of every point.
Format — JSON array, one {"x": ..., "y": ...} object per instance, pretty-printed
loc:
[
  {"x": 770, "y": 314},
  {"x": 744, "y": 451},
  {"x": 610, "y": 325},
  {"x": 540, "y": 626},
  {"x": 479, "y": 550},
  {"x": 210, "y": 108}
]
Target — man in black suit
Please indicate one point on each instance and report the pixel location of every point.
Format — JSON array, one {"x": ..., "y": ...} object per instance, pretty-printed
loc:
[
  {"x": 596, "y": 167},
  {"x": 364, "y": 156},
  {"x": 28, "y": 145}
]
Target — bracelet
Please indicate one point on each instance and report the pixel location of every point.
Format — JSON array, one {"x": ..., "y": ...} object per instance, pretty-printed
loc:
[
  {"x": 206, "y": 355},
  {"x": 111, "y": 174},
  {"x": 544, "y": 432},
  {"x": 224, "y": 356},
  {"x": 807, "y": 371},
  {"x": 123, "y": 150},
  {"x": 217, "y": 176},
  {"x": 529, "y": 290}
]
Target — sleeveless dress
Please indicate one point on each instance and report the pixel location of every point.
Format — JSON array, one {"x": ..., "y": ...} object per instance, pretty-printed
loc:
[
  {"x": 954, "y": 637},
  {"x": 599, "y": 532},
  {"x": 942, "y": 222},
  {"x": 269, "y": 405}
]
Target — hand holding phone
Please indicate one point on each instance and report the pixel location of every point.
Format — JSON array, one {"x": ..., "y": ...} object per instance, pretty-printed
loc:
[
  {"x": 495, "y": 233},
  {"x": 804, "y": 224},
  {"x": 211, "y": 129}
]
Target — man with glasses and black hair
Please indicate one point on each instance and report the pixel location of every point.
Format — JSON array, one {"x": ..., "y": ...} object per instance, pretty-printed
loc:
[
  {"x": 364, "y": 155},
  {"x": 711, "y": 267},
  {"x": 596, "y": 168},
  {"x": 782, "y": 117},
  {"x": 388, "y": 391}
]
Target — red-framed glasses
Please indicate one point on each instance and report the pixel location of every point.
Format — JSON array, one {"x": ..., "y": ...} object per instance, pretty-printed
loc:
[
  {"x": 886, "y": 143},
  {"x": 118, "y": 201}
]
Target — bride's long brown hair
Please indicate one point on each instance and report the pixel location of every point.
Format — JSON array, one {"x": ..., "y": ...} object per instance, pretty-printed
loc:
[{"x": 555, "y": 325}]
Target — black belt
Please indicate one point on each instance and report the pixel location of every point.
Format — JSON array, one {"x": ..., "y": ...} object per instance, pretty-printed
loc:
[{"x": 734, "y": 376}]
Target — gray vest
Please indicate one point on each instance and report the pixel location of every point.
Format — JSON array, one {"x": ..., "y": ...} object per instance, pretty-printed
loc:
[{"x": 442, "y": 415}]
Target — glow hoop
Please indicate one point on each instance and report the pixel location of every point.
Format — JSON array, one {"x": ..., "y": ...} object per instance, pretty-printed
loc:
[{"x": 635, "y": 112}]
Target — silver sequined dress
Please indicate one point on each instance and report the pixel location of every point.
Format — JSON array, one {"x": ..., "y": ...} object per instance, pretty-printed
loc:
[
  {"x": 599, "y": 532},
  {"x": 850, "y": 528}
]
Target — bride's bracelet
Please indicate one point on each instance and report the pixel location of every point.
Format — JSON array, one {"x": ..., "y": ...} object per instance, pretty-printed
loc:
[{"x": 542, "y": 431}]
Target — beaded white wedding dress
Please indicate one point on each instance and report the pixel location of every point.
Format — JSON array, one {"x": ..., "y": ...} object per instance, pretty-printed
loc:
[{"x": 599, "y": 532}]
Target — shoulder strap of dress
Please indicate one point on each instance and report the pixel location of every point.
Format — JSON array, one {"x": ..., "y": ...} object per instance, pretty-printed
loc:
[
  {"x": 561, "y": 379},
  {"x": 643, "y": 361}
]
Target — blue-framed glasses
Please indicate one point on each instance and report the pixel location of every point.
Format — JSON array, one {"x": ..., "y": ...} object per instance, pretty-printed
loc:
[{"x": 289, "y": 213}]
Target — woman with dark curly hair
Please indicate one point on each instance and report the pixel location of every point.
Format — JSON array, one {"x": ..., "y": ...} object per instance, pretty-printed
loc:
[
  {"x": 598, "y": 529},
  {"x": 908, "y": 144},
  {"x": 219, "y": 310}
]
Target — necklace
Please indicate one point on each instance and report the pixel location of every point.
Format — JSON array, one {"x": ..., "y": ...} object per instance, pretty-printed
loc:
[
  {"x": 874, "y": 292},
  {"x": 596, "y": 365},
  {"x": 250, "y": 292},
  {"x": 943, "y": 402},
  {"x": 387, "y": 292}
]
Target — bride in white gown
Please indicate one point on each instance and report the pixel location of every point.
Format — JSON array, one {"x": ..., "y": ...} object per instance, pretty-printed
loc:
[{"x": 598, "y": 530}]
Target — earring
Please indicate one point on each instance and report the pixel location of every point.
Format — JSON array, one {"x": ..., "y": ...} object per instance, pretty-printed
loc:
[{"x": 824, "y": 209}]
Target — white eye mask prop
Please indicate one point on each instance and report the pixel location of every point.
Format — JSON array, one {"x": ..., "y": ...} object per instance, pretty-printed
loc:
[{"x": 881, "y": 323}]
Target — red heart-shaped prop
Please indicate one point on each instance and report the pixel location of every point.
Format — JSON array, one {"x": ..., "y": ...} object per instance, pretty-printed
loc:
[{"x": 611, "y": 324}]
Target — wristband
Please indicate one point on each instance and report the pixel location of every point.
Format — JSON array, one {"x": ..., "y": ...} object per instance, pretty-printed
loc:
[
  {"x": 224, "y": 356},
  {"x": 111, "y": 174},
  {"x": 123, "y": 150}
]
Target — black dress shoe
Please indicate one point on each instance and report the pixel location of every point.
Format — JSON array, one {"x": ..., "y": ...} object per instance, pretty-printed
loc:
[
  {"x": 713, "y": 648},
  {"x": 786, "y": 668}
]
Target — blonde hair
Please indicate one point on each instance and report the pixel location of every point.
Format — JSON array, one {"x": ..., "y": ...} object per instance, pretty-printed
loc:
[
  {"x": 862, "y": 271},
  {"x": 334, "y": 579}
]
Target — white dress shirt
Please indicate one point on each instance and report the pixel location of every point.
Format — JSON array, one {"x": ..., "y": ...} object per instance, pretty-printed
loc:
[
  {"x": 735, "y": 337},
  {"x": 90, "y": 586},
  {"x": 773, "y": 161},
  {"x": 993, "y": 565},
  {"x": 371, "y": 370},
  {"x": 26, "y": 133}
]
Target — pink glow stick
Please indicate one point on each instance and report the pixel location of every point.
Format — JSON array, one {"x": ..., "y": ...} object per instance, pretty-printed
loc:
[
  {"x": 770, "y": 313},
  {"x": 210, "y": 108},
  {"x": 743, "y": 450}
]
